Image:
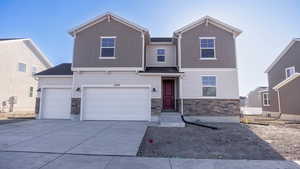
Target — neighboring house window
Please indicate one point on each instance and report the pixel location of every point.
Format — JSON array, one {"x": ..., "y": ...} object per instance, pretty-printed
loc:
[
  {"x": 33, "y": 70},
  {"x": 160, "y": 55},
  {"x": 289, "y": 71},
  {"x": 209, "y": 86},
  {"x": 31, "y": 91},
  {"x": 266, "y": 101},
  {"x": 108, "y": 45},
  {"x": 207, "y": 48},
  {"x": 22, "y": 67}
]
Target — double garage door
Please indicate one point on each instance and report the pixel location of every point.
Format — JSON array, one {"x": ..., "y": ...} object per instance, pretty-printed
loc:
[{"x": 100, "y": 103}]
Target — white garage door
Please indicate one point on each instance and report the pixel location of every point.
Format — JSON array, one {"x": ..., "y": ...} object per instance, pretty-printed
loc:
[
  {"x": 117, "y": 103},
  {"x": 56, "y": 103}
]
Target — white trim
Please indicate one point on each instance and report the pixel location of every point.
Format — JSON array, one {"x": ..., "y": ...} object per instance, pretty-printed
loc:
[
  {"x": 50, "y": 87},
  {"x": 206, "y": 69},
  {"x": 213, "y": 21},
  {"x": 289, "y": 68},
  {"x": 161, "y": 43},
  {"x": 179, "y": 52},
  {"x": 143, "y": 51},
  {"x": 53, "y": 76},
  {"x": 107, "y": 57},
  {"x": 103, "y": 17},
  {"x": 214, "y": 48},
  {"x": 202, "y": 85},
  {"x": 95, "y": 69},
  {"x": 267, "y": 99},
  {"x": 113, "y": 86},
  {"x": 282, "y": 54},
  {"x": 286, "y": 81}
]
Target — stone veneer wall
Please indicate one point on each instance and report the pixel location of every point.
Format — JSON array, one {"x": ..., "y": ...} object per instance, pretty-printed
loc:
[
  {"x": 156, "y": 106},
  {"x": 37, "y": 105},
  {"x": 211, "y": 107},
  {"x": 75, "y": 106}
]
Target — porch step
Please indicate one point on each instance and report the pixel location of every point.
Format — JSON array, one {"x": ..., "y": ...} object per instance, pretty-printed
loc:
[{"x": 171, "y": 120}]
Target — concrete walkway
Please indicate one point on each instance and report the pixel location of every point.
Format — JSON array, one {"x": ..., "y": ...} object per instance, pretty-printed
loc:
[{"x": 17, "y": 160}]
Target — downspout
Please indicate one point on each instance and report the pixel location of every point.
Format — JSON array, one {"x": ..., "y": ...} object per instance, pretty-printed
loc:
[{"x": 143, "y": 51}]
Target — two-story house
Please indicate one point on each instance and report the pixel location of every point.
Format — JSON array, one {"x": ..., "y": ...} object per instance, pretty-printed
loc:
[
  {"x": 282, "y": 98},
  {"x": 21, "y": 59},
  {"x": 120, "y": 72}
]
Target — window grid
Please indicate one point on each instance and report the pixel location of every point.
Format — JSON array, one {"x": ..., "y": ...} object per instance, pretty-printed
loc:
[
  {"x": 209, "y": 86},
  {"x": 289, "y": 71},
  {"x": 207, "y": 47},
  {"x": 108, "y": 45},
  {"x": 266, "y": 100},
  {"x": 161, "y": 55}
]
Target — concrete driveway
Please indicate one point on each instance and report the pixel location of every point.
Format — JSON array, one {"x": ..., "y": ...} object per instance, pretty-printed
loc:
[{"x": 74, "y": 137}]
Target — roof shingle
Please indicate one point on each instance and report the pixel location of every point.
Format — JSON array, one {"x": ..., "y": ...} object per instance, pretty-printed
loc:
[{"x": 61, "y": 69}]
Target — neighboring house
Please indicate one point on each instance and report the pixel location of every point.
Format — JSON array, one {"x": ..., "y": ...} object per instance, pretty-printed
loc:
[
  {"x": 283, "y": 95},
  {"x": 243, "y": 101},
  {"x": 119, "y": 72},
  {"x": 21, "y": 59},
  {"x": 253, "y": 105}
]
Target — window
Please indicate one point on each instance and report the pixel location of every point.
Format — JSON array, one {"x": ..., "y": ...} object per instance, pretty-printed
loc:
[
  {"x": 31, "y": 91},
  {"x": 209, "y": 84},
  {"x": 160, "y": 55},
  {"x": 207, "y": 48},
  {"x": 266, "y": 101},
  {"x": 33, "y": 70},
  {"x": 108, "y": 45},
  {"x": 289, "y": 71},
  {"x": 22, "y": 67}
]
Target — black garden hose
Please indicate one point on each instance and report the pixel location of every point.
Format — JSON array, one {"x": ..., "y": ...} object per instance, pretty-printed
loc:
[{"x": 197, "y": 124}]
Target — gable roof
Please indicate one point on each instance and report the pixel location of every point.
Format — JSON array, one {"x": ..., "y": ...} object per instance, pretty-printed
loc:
[
  {"x": 61, "y": 69},
  {"x": 32, "y": 46},
  {"x": 286, "y": 49},
  {"x": 101, "y": 18},
  {"x": 286, "y": 81},
  {"x": 213, "y": 21}
]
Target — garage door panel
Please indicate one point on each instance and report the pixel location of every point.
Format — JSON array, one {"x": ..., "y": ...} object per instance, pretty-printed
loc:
[
  {"x": 116, "y": 104},
  {"x": 56, "y": 103}
]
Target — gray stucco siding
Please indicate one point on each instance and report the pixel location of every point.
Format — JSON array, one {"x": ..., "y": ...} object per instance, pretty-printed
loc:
[
  {"x": 224, "y": 45},
  {"x": 128, "y": 48},
  {"x": 277, "y": 73}
]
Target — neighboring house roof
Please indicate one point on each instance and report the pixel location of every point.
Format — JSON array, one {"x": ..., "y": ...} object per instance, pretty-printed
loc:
[
  {"x": 161, "y": 39},
  {"x": 286, "y": 49},
  {"x": 100, "y": 18},
  {"x": 286, "y": 81},
  {"x": 161, "y": 70},
  {"x": 32, "y": 46},
  {"x": 61, "y": 69},
  {"x": 208, "y": 19}
]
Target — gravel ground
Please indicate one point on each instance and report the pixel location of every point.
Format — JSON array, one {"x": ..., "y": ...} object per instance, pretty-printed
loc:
[
  {"x": 284, "y": 138},
  {"x": 233, "y": 141}
]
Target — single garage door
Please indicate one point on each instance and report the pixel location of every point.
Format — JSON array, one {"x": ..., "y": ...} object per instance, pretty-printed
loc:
[
  {"x": 116, "y": 103},
  {"x": 56, "y": 103}
]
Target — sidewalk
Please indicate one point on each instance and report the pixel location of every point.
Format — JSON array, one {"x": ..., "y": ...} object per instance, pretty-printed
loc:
[{"x": 17, "y": 160}]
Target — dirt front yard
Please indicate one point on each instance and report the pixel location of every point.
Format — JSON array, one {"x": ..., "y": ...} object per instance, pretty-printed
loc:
[{"x": 232, "y": 141}]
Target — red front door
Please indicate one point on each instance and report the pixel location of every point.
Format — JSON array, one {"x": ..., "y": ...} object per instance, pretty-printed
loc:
[{"x": 168, "y": 95}]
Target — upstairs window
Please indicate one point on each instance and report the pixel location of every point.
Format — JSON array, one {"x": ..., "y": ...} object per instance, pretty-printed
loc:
[
  {"x": 209, "y": 86},
  {"x": 108, "y": 45},
  {"x": 22, "y": 67},
  {"x": 160, "y": 55},
  {"x": 207, "y": 48},
  {"x": 289, "y": 71},
  {"x": 266, "y": 100}
]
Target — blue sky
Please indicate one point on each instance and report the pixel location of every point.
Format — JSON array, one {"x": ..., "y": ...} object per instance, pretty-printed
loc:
[{"x": 268, "y": 25}]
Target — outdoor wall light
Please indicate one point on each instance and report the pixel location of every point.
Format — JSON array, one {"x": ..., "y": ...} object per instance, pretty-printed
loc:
[
  {"x": 78, "y": 89},
  {"x": 38, "y": 90},
  {"x": 154, "y": 89}
]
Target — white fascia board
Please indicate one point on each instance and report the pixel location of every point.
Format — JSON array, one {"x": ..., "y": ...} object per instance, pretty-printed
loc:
[
  {"x": 286, "y": 81},
  {"x": 161, "y": 74},
  {"x": 207, "y": 69},
  {"x": 53, "y": 76},
  {"x": 104, "y": 69},
  {"x": 44, "y": 57},
  {"x": 286, "y": 49},
  {"x": 213, "y": 21},
  {"x": 100, "y": 18}
]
